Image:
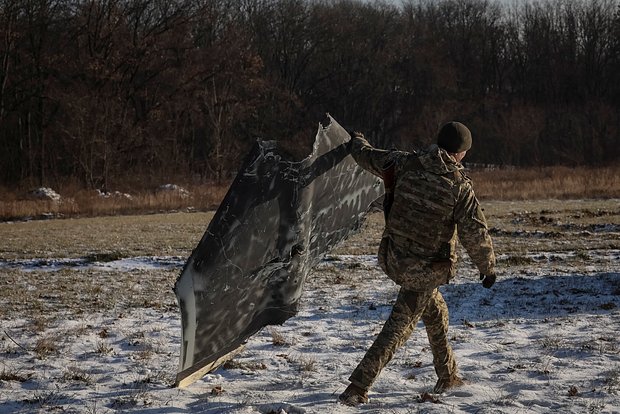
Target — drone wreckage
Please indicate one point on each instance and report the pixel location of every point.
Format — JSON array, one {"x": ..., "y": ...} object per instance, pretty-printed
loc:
[{"x": 277, "y": 221}]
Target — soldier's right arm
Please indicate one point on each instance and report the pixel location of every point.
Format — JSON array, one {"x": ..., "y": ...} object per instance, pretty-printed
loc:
[{"x": 369, "y": 157}]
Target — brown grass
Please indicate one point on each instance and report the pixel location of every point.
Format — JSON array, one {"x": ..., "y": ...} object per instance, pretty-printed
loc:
[
  {"x": 46, "y": 345},
  {"x": 76, "y": 374},
  {"x": 103, "y": 348},
  {"x": 500, "y": 184},
  {"x": 277, "y": 339},
  {"x": 547, "y": 183},
  {"x": 8, "y": 374},
  {"x": 15, "y": 204}
]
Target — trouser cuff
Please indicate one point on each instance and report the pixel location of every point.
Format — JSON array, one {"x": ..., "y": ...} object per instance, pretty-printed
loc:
[{"x": 355, "y": 381}]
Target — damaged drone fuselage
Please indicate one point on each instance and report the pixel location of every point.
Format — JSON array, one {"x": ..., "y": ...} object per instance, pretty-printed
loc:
[{"x": 277, "y": 221}]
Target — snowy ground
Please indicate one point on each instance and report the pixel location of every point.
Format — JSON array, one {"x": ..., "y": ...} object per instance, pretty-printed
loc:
[{"x": 88, "y": 336}]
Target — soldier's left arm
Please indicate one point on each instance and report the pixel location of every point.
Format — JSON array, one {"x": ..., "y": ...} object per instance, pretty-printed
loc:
[{"x": 473, "y": 231}]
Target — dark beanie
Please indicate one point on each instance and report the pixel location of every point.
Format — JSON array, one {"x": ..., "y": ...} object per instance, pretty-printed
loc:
[{"x": 454, "y": 137}]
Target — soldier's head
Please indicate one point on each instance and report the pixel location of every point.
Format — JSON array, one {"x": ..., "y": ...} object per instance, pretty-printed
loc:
[{"x": 455, "y": 138}]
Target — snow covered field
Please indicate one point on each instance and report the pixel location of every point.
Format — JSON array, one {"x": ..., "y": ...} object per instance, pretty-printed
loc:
[{"x": 101, "y": 334}]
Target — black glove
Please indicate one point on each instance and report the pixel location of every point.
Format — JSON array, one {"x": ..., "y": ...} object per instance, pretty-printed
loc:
[{"x": 487, "y": 280}]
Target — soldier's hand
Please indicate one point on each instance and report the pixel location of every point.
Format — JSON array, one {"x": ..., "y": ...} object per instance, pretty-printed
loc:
[
  {"x": 487, "y": 280},
  {"x": 355, "y": 134}
]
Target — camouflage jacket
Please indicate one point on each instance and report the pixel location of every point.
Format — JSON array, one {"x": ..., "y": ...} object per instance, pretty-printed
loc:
[{"x": 433, "y": 201}]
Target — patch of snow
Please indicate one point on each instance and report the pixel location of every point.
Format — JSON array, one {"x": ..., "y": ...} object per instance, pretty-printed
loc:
[
  {"x": 114, "y": 195},
  {"x": 44, "y": 193},
  {"x": 124, "y": 265},
  {"x": 543, "y": 341},
  {"x": 174, "y": 189}
]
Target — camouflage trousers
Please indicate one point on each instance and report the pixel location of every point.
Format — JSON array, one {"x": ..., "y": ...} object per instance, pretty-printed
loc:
[{"x": 410, "y": 306}]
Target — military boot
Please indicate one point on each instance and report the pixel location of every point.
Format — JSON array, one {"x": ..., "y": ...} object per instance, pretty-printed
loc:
[
  {"x": 354, "y": 396},
  {"x": 444, "y": 384}
]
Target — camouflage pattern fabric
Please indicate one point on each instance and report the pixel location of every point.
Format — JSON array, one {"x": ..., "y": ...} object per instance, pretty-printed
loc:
[
  {"x": 409, "y": 308},
  {"x": 432, "y": 204}
]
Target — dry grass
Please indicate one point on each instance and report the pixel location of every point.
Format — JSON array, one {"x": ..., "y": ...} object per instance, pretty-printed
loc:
[
  {"x": 17, "y": 205},
  {"x": 307, "y": 364},
  {"x": 46, "y": 346},
  {"x": 11, "y": 374},
  {"x": 547, "y": 183},
  {"x": 76, "y": 374},
  {"x": 104, "y": 238},
  {"x": 103, "y": 348},
  {"x": 612, "y": 380},
  {"x": 277, "y": 339},
  {"x": 45, "y": 312},
  {"x": 500, "y": 184}
]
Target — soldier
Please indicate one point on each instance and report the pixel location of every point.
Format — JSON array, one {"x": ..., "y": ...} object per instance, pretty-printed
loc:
[{"x": 428, "y": 201}]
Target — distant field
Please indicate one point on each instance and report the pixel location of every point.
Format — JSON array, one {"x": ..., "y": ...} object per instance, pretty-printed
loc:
[
  {"x": 89, "y": 322},
  {"x": 520, "y": 230},
  {"x": 547, "y": 183},
  {"x": 170, "y": 234},
  {"x": 495, "y": 184}
]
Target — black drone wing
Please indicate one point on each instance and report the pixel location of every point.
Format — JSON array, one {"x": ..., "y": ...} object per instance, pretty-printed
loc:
[{"x": 277, "y": 221}]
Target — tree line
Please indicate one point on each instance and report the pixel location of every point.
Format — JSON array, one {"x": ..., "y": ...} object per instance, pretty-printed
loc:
[{"x": 105, "y": 91}]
